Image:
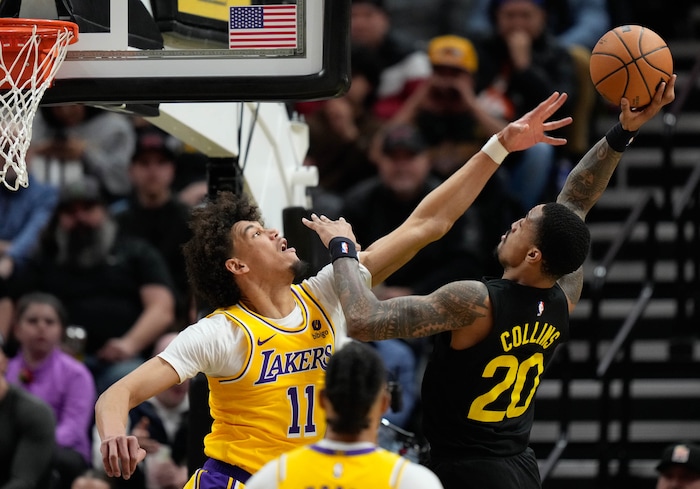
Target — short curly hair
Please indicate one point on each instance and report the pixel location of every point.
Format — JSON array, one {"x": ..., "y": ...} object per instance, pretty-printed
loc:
[
  {"x": 563, "y": 238},
  {"x": 211, "y": 245}
]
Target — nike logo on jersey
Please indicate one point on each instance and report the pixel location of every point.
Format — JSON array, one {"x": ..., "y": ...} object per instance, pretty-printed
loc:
[{"x": 262, "y": 342}]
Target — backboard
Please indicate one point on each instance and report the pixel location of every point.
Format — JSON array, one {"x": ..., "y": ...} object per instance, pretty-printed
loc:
[{"x": 153, "y": 51}]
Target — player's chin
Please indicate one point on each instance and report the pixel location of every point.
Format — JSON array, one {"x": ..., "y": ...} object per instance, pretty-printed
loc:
[
  {"x": 497, "y": 252},
  {"x": 299, "y": 269}
]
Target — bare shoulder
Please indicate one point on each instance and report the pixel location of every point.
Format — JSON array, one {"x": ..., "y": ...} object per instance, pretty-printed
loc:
[
  {"x": 474, "y": 319},
  {"x": 461, "y": 303},
  {"x": 463, "y": 293}
]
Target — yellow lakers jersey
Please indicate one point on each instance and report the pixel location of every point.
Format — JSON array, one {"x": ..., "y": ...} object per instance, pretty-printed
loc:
[
  {"x": 316, "y": 467},
  {"x": 271, "y": 405}
]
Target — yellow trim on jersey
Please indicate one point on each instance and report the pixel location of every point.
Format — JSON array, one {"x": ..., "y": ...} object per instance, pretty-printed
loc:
[
  {"x": 211, "y": 9},
  {"x": 399, "y": 473},
  {"x": 300, "y": 289},
  {"x": 249, "y": 351}
]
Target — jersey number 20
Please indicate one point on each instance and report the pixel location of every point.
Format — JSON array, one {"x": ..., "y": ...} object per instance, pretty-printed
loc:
[{"x": 514, "y": 380}]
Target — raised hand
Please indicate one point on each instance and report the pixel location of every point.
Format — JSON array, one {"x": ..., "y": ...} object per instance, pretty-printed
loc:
[
  {"x": 633, "y": 120},
  {"x": 328, "y": 229},
  {"x": 531, "y": 128}
]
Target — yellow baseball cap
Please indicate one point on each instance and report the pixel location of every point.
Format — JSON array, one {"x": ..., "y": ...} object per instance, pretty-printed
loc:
[{"x": 453, "y": 51}]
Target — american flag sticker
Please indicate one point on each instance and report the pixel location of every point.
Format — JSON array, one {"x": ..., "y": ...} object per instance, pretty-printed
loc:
[{"x": 263, "y": 27}]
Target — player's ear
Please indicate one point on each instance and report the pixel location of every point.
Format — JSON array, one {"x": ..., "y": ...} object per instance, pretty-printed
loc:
[
  {"x": 386, "y": 399},
  {"x": 236, "y": 266},
  {"x": 534, "y": 255}
]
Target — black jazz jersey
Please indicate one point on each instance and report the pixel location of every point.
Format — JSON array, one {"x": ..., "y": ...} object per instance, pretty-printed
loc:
[{"x": 479, "y": 401}]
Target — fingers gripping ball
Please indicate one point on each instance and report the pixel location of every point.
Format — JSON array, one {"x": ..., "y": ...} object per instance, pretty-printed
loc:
[{"x": 630, "y": 61}]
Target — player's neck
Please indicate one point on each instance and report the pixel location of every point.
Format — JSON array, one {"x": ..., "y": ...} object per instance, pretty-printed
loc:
[
  {"x": 269, "y": 304},
  {"x": 368, "y": 435},
  {"x": 528, "y": 277}
]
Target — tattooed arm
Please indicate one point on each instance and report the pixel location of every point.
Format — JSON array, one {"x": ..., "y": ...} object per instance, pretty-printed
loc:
[
  {"x": 589, "y": 178},
  {"x": 453, "y": 306}
]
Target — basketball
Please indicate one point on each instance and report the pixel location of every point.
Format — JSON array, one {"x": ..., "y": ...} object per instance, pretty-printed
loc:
[{"x": 630, "y": 61}]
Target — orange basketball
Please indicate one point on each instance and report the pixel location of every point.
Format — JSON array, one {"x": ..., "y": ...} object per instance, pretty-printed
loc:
[{"x": 630, "y": 61}]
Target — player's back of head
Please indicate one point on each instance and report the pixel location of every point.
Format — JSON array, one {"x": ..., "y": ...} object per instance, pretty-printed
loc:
[{"x": 354, "y": 378}]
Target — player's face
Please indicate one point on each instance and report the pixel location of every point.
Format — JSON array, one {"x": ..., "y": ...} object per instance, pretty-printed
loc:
[
  {"x": 678, "y": 477},
  {"x": 263, "y": 250},
  {"x": 519, "y": 239}
]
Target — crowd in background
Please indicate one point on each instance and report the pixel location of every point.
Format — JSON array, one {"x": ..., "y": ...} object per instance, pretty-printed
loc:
[{"x": 92, "y": 278}]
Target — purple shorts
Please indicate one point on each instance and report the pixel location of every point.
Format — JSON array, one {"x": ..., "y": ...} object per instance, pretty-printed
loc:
[{"x": 217, "y": 475}]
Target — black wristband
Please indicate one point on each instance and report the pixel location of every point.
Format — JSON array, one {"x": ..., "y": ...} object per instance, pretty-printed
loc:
[
  {"x": 341, "y": 247},
  {"x": 618, "y": 138}
]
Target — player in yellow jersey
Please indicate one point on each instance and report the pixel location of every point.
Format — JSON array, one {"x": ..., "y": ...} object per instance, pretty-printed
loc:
[
  {"x": 354, "y": 399},
  {"x": 265, "y": 347}
]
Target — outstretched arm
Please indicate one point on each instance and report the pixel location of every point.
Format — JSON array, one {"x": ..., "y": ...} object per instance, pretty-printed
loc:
[
  {"x": 452, "y": 306},
  {"x": 589, "y": 178},
  {"x": 438, "y": 211}
]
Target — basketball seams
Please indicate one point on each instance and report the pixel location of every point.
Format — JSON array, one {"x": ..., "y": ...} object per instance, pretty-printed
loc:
[
  {"x": 652, "y": 65},
  {"x": 629, "y": 61}
]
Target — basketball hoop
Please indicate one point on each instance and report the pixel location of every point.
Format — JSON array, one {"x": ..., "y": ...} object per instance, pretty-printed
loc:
[{"x": 31, "y": 51}]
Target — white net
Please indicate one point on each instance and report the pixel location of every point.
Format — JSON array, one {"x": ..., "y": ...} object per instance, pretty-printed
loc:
[{"x": 29, "y": 60}]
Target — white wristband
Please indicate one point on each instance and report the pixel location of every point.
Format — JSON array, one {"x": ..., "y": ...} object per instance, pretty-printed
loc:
[{"x": 495, "y": 150}]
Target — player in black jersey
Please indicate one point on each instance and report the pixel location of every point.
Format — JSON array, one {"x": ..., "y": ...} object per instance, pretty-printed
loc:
[{"x": 497, "y": 335}]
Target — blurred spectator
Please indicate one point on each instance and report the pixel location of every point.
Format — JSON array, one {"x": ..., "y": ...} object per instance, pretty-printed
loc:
[
  {"x": 153, "y": 213},
  {"x": 577, "y": 25},
  {"x": 25, "y": 212},
  {"x": 190, "y": 184},
  {"x": 424, "y": 19},
  {"x": 403, "y": 65},
  {"x": 520, "y": 65},
  {"x": 455, "y": 125},
  {"x": 679, "y": 467},
  {"x": 380, "y": 204},
  {"x": 191, "y": 173},
  {"x": 70, "y": 141},
  {"x": 401, "y": 367},
  {"x": 445, "y": 108},
  {"x": 65, "y": 384},
  {"x": 341, "y": 130},
  {"x": 116, "y": 287},
  {"x": 27, "y": 436},
  {"x": 573, "y": 22},
  {"x": 161, "y": 426}
]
